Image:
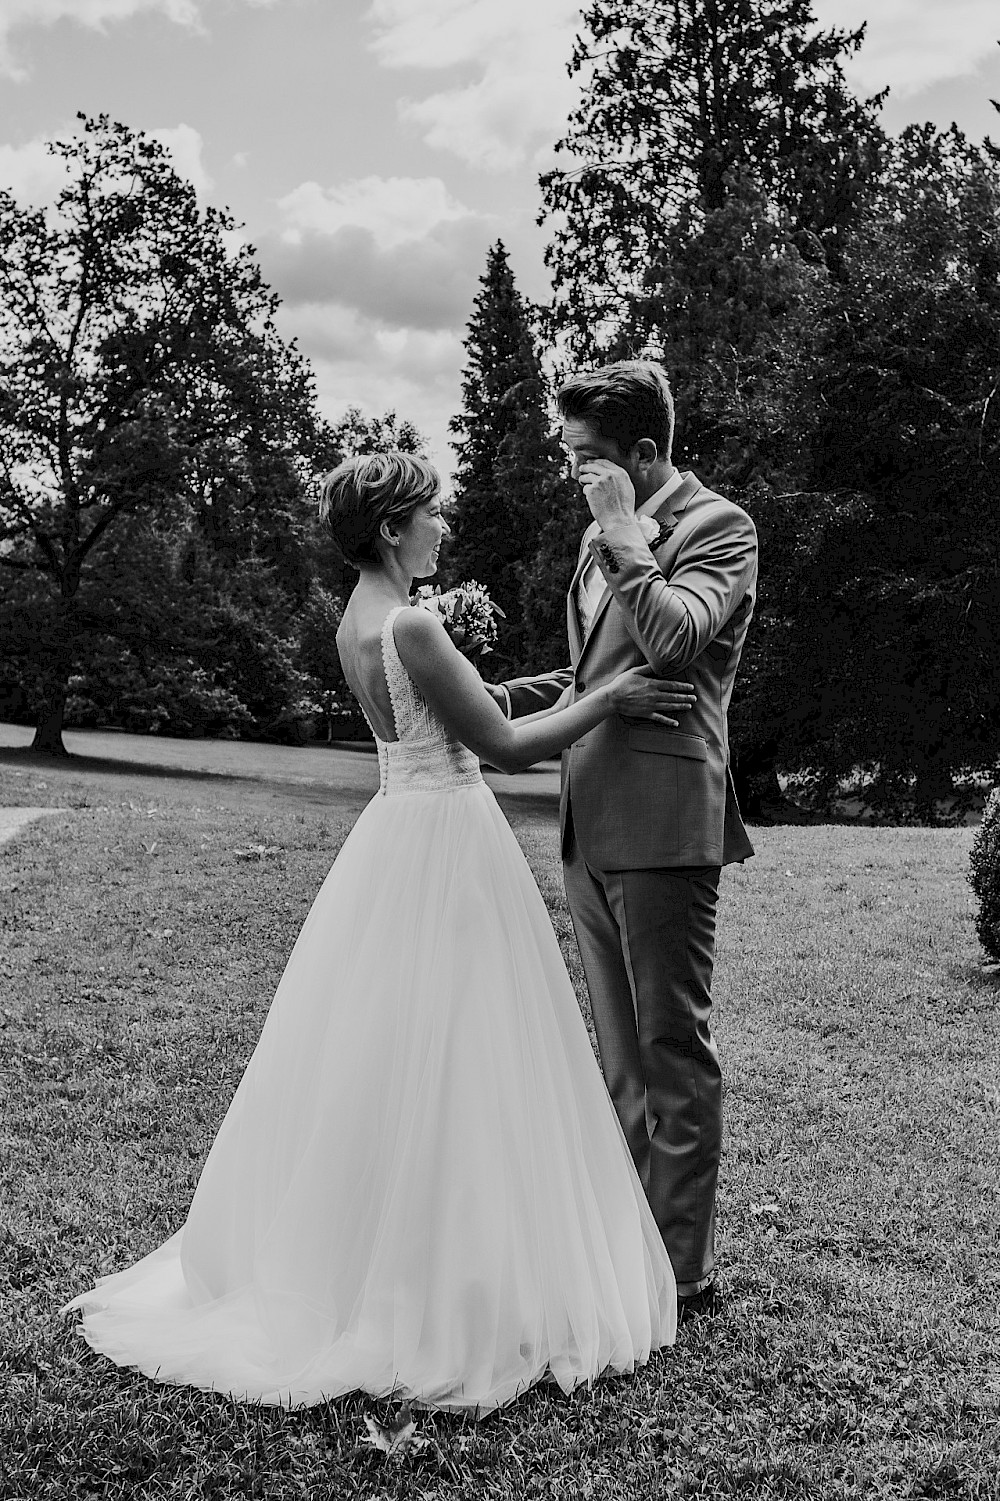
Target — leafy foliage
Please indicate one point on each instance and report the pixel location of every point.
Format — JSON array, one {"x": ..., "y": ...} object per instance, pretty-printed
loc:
[
  {"x": 787, "y": 706},
  {"x": 326, "y": 688},
  {"x": 143, "y": 390},
  {"x": 511, "y": 471},
  {"x": 984, "y": 875},
  {"x": 548, "y": 573},
  {"x": 354, "y": 433},
  {"x": 732, "y": 310},
  {"x": 826, "y": 302},
  {"x": 907, "y": 371},
  {"x": 681, "y": 100}
]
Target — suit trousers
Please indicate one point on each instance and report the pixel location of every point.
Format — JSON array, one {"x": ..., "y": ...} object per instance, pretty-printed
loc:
[{"x": 647, "y": 940}]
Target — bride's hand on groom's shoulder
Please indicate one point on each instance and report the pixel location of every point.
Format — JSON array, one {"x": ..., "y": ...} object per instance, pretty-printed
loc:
[{"x": 640, "y": 694}]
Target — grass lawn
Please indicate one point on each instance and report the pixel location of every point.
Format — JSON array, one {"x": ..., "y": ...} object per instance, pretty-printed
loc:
[{"x": 143, "y": 935}]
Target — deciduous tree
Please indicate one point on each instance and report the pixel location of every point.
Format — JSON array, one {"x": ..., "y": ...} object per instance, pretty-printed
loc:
[
  {"x": 141, "y": 380},
  {"x": 907, "y": 388}
]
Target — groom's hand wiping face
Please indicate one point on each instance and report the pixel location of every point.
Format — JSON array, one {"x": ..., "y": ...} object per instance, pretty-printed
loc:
[
  {"x": 609, "y": 491},
  {"x": 596, "y": 466}
]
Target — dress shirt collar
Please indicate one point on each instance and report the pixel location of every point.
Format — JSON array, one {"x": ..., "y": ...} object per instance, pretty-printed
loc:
[{"x": 659, "y": 496}]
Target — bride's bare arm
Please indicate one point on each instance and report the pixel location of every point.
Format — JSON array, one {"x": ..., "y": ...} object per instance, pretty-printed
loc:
[{"x": 456, "y": 693}]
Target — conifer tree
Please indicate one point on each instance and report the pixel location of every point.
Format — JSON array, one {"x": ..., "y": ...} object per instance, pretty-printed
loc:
[
  {"x": 684, "y": 102},
  {"x": 510, "y": 475}
]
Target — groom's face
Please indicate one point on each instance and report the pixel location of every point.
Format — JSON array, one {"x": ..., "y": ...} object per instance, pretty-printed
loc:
[{"x": 584, "y": 440}]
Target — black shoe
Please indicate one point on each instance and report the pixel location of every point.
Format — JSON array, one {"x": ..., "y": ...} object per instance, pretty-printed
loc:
[{"x": 706, "y": 1304}]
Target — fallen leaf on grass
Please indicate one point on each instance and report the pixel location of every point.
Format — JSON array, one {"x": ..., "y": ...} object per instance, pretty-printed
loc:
[{"x": 396, "y": 1438}]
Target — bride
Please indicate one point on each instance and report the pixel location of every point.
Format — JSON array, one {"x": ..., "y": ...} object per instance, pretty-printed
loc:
[{"x": 420, "y": 1188}]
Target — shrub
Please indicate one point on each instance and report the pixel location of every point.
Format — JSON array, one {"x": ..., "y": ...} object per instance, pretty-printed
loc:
[{"x": 984, "y": 875}]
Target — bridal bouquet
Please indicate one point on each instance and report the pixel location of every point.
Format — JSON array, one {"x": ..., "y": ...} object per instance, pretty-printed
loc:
[{"x": 467, "y": 614}]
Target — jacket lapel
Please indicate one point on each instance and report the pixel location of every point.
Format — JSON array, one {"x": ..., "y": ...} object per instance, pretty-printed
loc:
[
  {"x": 584, "y": 557},
  {"x": 677, "y": 503},
  {"x": 602, "y": 605},
  {"x": 573, "y": 626}
]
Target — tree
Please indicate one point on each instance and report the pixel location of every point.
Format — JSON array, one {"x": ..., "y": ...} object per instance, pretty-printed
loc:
[
  {"x": 788, "y": 701},
  {"x": 731, "y": 313},
  {"x": 318, "y": 657},
  {"x": 907, "y": 399},
  {"x": 143, "y": 386},
  {"x": 684, "y": 101},
  {"x": 355, "y": 433},
  {"x": 498, "y": 431}
]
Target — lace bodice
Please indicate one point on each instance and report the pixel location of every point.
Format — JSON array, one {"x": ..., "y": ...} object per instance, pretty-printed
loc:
[{"x": 424, "y": 757}]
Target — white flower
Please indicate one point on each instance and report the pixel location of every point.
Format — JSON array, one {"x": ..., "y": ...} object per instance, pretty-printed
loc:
[{"x": 648, "y": 527}]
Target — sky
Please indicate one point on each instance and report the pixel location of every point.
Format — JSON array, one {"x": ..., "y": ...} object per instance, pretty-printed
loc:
[{"x": 374, "y": 149}]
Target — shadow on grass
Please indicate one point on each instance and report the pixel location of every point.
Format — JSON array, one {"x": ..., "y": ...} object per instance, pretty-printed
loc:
[
  {"x": 40, "y": 761},
  {"x": 536, "y": 806},
  {"x": 982, "y": 976}
]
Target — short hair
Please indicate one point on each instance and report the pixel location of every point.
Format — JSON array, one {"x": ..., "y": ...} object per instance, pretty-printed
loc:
[
  {"x": 362, "y": 492},
  {"x": 626, "y": 401}
]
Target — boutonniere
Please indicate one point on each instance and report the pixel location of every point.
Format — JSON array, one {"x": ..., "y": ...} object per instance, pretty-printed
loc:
[{"x": 654, "y": 533}]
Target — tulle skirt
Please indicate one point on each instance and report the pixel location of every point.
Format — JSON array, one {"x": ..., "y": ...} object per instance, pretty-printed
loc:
[{"x": 421, "y": 1188}]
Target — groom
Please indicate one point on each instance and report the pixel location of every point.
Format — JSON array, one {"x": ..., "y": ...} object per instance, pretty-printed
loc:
[{"x": 667, "y": 574}]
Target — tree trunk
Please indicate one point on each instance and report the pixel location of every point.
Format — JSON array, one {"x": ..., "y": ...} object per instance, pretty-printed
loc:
[
  {"x": 934, "y": 783},
  {"x": 56, "y": 659},
  {"x": 755, "y": 777},
  {"x": 48, "y": 729}
]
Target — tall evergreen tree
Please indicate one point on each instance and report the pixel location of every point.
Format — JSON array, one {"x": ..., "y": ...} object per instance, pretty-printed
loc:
[
  {"x": 684, "y": 101},
  {"x": 733, "y": 308},
  {"x": 510, "y": 472}
]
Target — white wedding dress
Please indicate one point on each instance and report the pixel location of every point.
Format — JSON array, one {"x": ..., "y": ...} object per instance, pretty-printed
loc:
[{"x": 420, "y": 1187}]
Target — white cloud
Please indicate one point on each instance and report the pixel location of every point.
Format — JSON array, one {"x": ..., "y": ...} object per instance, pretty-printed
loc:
[
  {"x": 392, "y": 209},
  {"x": 401, "y": 251},
  {"x": 377, "y": 277},
  {"x": 35, "y": 177},
  {"x": 17, "y": 15},
  {"x": 183, "y": 144},
  {"x": 911, "y": 44},
  {"x": 517, "y": 106},
  {"x": 31, "y": 174},
  {"x": 518, "y": 99},
  {"x": 427, "y": 283},
  {"x": 413, "y": 372}
]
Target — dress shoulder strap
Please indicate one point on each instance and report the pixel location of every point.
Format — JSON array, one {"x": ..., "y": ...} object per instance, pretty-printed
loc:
[{"x": 397, "y": 679}]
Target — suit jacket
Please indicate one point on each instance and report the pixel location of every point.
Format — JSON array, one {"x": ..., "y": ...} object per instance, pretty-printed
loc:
[{"x": 644, "y": 796}]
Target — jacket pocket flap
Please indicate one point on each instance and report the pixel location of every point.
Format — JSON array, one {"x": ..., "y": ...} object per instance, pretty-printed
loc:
[{"x": 666, "y": 743}]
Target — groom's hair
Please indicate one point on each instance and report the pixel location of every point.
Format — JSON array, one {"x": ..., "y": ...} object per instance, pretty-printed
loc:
[
  {"x": 626, "y": 402},
  {"x": 362, "y": 492}
]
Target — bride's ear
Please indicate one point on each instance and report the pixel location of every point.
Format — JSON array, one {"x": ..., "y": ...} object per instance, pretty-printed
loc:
[{"x": 387, "y": 534}]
